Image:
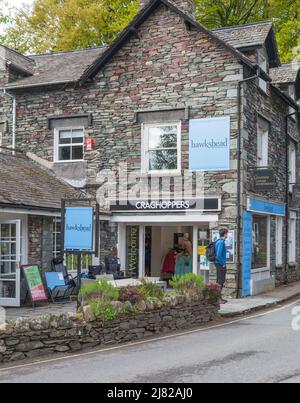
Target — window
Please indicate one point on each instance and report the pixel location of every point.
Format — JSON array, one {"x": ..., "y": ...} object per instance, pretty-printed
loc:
[
  {"x": 69, "y": 144},
  {"x": 279, "y": 239},
  {"x": 161, "y": 148},
  {"x": 263, "y": 64},
  {"x": 263, "y": 128},
  {"x": 260, "y": 242},
  {"x": 292, "y": 94},
  {"x": 56, "y": 237},
  {"x": 292, "y": 166},
  {"x": 292, "y": 236}
]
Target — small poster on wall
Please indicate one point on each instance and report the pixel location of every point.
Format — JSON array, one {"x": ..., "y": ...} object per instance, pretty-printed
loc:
[{"x": 230, "y": 244}]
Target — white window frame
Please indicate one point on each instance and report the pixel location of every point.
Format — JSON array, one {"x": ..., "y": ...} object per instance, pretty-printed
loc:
[
  {"x": 292, "y": 237},
  {"x": 263, "y": 64},
  {"x": 57, "y": 145},
  {"x": 292, "y": 165},
  {"x": 292, "y": 94},
  {"x": 279, "y": 241},
  {"x": 262, "y": 146},
  {"x": 145, "y": 150}
]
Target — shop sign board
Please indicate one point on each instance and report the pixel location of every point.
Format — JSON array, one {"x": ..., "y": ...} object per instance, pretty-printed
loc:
[
  {"x": 264, "y": 180},
  {"x": 230, "y": 244},
  {"x": 192, "y": 205},
  {"x": 209, "y": 144},
  {"x": 78, "y": 229},
  {"x": 34, "y": 282},
  {"x": 247, "y": 247},
  {"x": 133, "y": 251},
  {"x": 266, "y": 207}
]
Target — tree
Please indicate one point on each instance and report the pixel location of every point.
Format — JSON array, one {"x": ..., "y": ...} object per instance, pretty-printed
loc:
[
  {"x": 286, "y": 16},
  {"x": 60, "y": 25},
  {"x": 222, "y": 13}
]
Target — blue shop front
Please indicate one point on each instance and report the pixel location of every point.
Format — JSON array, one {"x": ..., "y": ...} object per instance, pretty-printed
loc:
[{"x": 262, "y": 245}]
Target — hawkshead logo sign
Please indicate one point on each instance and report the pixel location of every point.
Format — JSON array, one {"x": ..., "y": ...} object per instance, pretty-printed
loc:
[
  {"x": 209, "y": 148},
  {"x": 78, "y": 235}
]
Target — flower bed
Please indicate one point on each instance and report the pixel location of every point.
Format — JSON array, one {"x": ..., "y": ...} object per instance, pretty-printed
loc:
[{"x": 125, "y": 316}]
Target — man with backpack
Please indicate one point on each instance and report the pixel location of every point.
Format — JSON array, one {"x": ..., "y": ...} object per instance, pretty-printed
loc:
[{"x": 217, "y": 253}]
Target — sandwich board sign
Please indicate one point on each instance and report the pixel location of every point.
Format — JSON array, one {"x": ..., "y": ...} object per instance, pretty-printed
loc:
[{"x": 35, "y": 283}]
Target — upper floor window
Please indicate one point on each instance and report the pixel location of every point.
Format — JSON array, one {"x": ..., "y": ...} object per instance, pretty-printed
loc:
[
  {"x": 292, "y": 165},
  {"x": 69, "y": 144},
  {"x": 263, "y": 64},
  {"x": 161, "y": 145},
  {"x": 263, "y": 128}
]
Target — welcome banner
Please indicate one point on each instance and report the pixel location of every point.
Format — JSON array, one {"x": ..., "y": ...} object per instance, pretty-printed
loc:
[{"x": 209, "y": 148}]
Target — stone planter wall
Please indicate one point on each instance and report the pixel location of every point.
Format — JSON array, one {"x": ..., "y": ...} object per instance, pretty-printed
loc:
[{"x": 68, "y": 333}]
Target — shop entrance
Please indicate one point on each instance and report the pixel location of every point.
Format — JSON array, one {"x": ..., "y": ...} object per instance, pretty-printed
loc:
[
  {"x": 10, "y": 239},
  {"x": 160, "y": 251}
]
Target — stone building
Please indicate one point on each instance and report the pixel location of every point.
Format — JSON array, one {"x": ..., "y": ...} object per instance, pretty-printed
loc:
[
  {"x": 30, "y": 202},
  {"x": 135, "y": 103}
]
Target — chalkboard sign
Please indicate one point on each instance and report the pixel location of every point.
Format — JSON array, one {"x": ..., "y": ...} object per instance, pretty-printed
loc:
[{"x": 35, "y": 283}]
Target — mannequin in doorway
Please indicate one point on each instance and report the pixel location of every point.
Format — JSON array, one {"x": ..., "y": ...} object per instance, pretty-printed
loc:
[{"x": 184, "y": 263}]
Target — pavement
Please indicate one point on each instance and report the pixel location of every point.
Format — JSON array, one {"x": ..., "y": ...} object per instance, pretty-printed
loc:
[
  {"x": 262, "y": 348},
  {"x": 234, "y": 307},
  {"x": 243, "y": 306}
]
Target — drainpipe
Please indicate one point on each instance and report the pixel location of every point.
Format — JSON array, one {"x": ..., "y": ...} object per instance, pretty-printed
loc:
[
  {"x": 239, "y": 179},
  {"x": 287, "y": 196},
  {"x": 14, "y": 115}
]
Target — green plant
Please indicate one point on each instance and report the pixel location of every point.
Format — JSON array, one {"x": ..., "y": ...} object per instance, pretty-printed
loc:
[
  {"x": 103, "y": 310},
  {"x": 100, "y": 290},
  {"x": 131, "y": 294},
  {"x": 188, "y": 284},
  {"x": 150, "y": 290}
]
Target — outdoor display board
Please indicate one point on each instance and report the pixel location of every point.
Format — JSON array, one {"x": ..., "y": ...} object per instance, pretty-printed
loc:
[
  {"x": 209, "y": 144},
  {"x": 79, "y": 229},
  {"x": 35, "y": 283}
]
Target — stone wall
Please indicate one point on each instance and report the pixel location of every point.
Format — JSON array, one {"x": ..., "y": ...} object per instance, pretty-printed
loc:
[
  {"x": 69, "y": 333},
  {"x": 40, "y": 241}
]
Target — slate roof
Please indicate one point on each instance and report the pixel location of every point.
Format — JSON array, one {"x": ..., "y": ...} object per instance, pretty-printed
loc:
[
  {"x": 245, "y": 35},
  {"x": 54, "y": 68},
  {"x": 25, "y": 184},
  {"x": 286, "y": 73},
  {"x": 17, "y": 60}
]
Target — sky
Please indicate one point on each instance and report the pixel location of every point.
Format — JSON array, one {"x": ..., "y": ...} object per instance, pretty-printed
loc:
[{"x": 18, "y": 2}]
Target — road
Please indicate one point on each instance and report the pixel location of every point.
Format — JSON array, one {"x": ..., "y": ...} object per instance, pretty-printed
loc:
[{"x": 260, "y": 348}]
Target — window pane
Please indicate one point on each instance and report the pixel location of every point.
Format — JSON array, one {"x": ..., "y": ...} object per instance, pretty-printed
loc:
[
  {"x": 77, "y": 140},
  {"x": 64, "y": 153},
  {"x": 163, "y": 160},
  {"x": 162, "y": 137},
  {"x": 260, "y": 242},
  {"x": 7, "y": 289},
  {"x": 77, "y": 133},
  {"x": 77, "y": 153},
  {"x": 65, "y": 137}
]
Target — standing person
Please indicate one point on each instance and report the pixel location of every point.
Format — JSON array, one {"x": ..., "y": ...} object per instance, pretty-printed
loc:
[{"x": 221, "y": 259}]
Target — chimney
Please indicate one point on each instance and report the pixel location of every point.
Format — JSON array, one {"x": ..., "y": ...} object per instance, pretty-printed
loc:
[{"x": 187, "y": 6}]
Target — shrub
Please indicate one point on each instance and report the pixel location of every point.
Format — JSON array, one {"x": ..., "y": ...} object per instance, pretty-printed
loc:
[
  {"x": 103, "y": 310},
  {"x": 131, "y": 294},
  {"x": 100, "y": 290},
  {"x": 212, "y": 292},
  {"x": 188, "y": 284},
  {"x": 150, "y": 290}
]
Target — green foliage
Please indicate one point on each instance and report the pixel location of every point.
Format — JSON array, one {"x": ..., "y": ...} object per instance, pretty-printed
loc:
[
  {"x": 131, "y": 294},
  {"x": 188, "y": 284},
  {"x": 99, "y": 290},
  {"x": 151, "y": 290},
  {"x": 103, "y": 310},
  {"x": 212, "y": 292}
]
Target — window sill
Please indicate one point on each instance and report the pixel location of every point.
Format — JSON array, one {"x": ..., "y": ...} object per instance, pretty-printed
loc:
[
  {"x": 68, "y": 162},
  {"x": 263, "y": 269},
  {"x": 292, "y": 264},
  {"x": 169, "y": 174}
]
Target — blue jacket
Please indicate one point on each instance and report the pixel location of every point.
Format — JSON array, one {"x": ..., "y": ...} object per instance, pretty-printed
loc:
[{"x": 221, "y": 252}]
